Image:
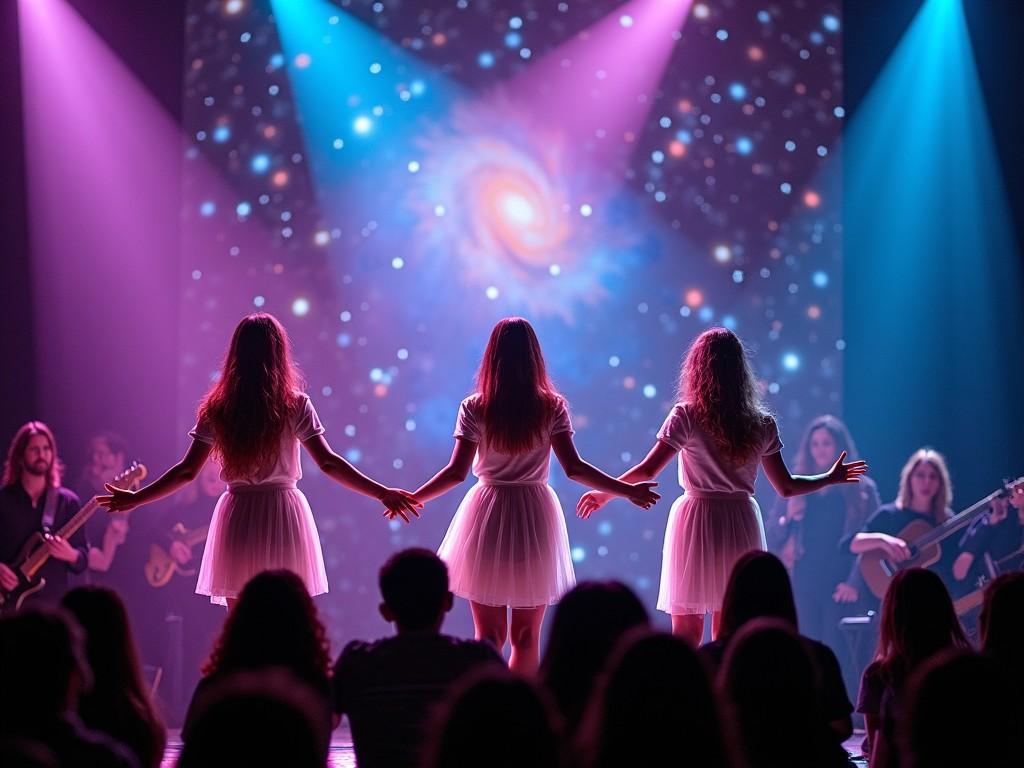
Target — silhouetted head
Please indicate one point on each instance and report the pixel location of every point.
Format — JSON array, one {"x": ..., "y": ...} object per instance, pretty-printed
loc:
[
  {"x": 273, "y": 624},
  {"x": 495, "y": 719},
  {"x": 1001, "y": 623},
  {"x": 42, "y": 669},
  {"x": 267, "y": 718},
  {"x": 918, "y": 621},
  {"x": 758, "y": 587},
  {"x": 414, "y": 585},
  {"x": 961, "y": 710},
  {"x": 589, "y": 620},
  {"x": 654, "y": 695},
  {"x": 768, "y": 678}
]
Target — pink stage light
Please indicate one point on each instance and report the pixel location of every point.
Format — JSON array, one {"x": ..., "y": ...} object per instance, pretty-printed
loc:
[{"x": 585, "y": 92}]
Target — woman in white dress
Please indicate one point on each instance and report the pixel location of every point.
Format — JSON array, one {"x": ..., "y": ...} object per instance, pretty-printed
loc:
[
  {"x": 254, "y": 418},
  {"x": 507, "y": 546},
  {"x": 721, "y": 433}
]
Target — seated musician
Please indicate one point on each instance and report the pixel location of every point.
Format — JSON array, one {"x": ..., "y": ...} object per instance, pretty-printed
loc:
[
  {"x": 995, "y": 536},
  {"x": 32, "y": 493},
  {"x": 925, "y": 493}
]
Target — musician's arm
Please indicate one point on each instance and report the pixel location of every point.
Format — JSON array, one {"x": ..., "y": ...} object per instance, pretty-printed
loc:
[{"x": 181, "y": 474}]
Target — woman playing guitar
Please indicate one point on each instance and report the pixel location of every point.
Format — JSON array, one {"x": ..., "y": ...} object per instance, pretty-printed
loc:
[{"x": 924, "y": 497}]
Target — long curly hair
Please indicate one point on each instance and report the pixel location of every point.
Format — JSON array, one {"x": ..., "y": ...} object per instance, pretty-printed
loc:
[
  {"x": 515, "y": 394},
  {"x": 250, "y": 405},
  {"x": 719, "y": 384},
  {"x": 273, "y": 624}
]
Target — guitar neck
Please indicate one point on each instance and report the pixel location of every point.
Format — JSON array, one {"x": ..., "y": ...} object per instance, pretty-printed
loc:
[
  {"x": 956, "y": 523},
  {"x": 70, "y": 528}
]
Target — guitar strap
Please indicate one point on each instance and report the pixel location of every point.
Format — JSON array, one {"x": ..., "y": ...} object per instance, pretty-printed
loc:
[{"x": 50, "y": 508}]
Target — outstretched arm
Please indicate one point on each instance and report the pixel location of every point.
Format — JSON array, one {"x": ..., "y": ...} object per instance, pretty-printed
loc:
[
  {"x": 787, "y": 484},
  {"x": 577, "y": 469},
  {"x": 397, "y": 501},
  {"x": 182, "y": 473},
  {"x": 453, "y": 473},
  {"x": 656, "y": 460}
]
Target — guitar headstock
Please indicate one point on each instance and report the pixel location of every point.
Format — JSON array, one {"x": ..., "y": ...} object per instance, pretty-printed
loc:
[
  {"x": 1015, "y": 490},
  {"x": 131, "y": 478}
]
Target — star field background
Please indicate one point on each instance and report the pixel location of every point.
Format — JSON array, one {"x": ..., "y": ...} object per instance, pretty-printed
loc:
[{"x": 390, "y": 229}]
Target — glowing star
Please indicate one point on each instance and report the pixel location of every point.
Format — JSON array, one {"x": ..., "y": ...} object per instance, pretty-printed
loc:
[
  {"x": 303, "y": 60},
  {"x": 362, "y": 125},
  {"x": 300, "y": 307},
  {"x": 812, "y": 199}
]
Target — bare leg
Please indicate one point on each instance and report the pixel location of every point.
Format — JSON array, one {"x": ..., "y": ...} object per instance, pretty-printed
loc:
[
  {"x": 526, "y": 639},
  {"x": 490, "y": 623},
  {"x": 716, "y": 621},
  {"x": 231, "y": 601},
  {"x": 688, "y": 626}
]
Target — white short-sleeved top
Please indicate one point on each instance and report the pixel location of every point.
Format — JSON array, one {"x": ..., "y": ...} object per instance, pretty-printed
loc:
[
  {"x": 701, "y": 466},
  {"x": 286, "y": 470},
  {"x": 491, "y": 465}
]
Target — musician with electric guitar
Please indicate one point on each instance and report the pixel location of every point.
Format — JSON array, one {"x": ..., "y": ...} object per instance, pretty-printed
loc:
[{"x": 33, "y": 506}]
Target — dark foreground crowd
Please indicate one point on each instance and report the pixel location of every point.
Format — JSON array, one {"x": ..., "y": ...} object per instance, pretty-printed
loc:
[{"x": 610, "y": 691}]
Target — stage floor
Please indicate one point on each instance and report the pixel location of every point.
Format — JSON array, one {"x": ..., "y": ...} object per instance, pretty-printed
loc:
[{"x": 343, "y": 756}]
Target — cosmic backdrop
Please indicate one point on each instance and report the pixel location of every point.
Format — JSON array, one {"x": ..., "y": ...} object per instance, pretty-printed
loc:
[{"x": 390, "y": 178}]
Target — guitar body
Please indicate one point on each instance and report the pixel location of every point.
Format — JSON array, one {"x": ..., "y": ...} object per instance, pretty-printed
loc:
[
  {"x": 160, "y": 567},
  {"x": 28, "y": 584},
  {"x": 878, "y": 570}
]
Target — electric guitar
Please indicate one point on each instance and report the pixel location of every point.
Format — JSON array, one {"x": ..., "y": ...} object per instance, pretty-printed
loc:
[
  {"x": 34, "y": 553},
  {"x": 161, "y": 567},
  {"x": 924, "y": 540}
]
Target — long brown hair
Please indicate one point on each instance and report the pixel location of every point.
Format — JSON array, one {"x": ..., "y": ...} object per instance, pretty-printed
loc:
[
  {"x": 858, "y": 496},
  {"x": 273, "y": 624},
  {"x": 918, "y": 621},
  {"x": 942, "y": 499},
  {"x": 15, "y": 463},
  {"x": 252, "y": 402},
  {"x": 515, "y": 394},
  {"x": 720, "y": 387},
  {"x": 119, "y": 702}
]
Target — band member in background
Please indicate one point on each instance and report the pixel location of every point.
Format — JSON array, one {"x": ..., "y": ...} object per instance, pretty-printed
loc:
[
  {"x": 995, "y": 536},
  {"x": 31, "y": 477},
  {"x": 807, "y": 531},
  {"x": 925, "y": 493},
  {"x": 106, "y": 458}
]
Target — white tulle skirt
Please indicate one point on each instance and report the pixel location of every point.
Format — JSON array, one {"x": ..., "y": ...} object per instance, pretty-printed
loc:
[
  {"x": 508, "y": 546},
  {"x": 260, "y": 528},
  {"x": 705, "y": 536}
]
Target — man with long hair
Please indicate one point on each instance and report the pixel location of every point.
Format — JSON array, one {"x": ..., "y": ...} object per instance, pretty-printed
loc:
[{"x": 31, "y": 495}]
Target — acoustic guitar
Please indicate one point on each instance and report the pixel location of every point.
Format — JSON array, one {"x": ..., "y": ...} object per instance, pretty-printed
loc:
[
  {"x": 925, "y": 541},
  {"x": 34, "y": 553},
  {"x": 161, "y": 567}
]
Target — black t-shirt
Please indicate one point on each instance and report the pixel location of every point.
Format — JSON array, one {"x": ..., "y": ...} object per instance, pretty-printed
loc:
[
  {"x": 891, "y": 519},
  {"x": 19, "y": 520},
  {"x": 823, "y": 564},
  {"x": 388, "y": 689},
  {"x": 999, "y": 541},
  {"x": 835, "y": 703}
]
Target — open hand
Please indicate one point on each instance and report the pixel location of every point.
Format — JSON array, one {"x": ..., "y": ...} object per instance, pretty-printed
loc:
[
  {"x": 590, "y": 502},
  {"x": 847, "y": 473},
  {"x": 119, "y": 500},
  {"x": 643, "y": 494},
  {"x": 401, "y": 504},
  {"x": 181, "y": 552}
]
